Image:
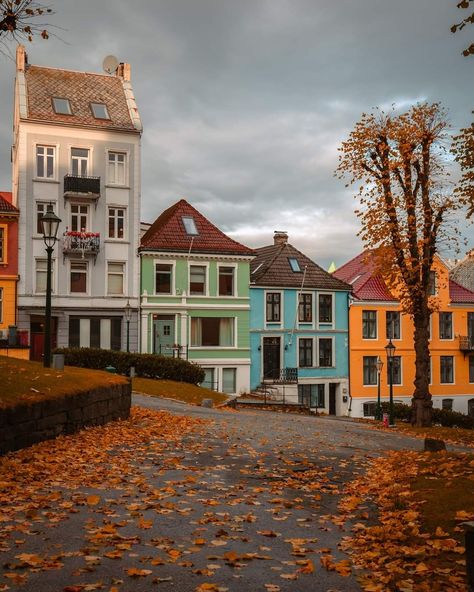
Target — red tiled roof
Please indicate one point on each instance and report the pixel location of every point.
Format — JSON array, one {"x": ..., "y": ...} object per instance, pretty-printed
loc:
[
  {"x": 458, "y": 294},
  {"x": 6, "y": 203},
  {"x": 271, "y": 267},
  {"x": 81, "y": 88},
  {"x": 167, "y": 233},
  {"x": 366, "y": 284}
]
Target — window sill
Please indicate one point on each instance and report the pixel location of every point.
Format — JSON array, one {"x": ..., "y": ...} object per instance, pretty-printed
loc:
[
  {"x": 120, "y": 241},
  {"x": 44, "y": 180},
  {"x": 116, "y": 186}
]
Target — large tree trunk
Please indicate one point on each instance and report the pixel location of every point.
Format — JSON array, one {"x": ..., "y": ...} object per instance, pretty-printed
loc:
[{"x": 421, "y": 402}]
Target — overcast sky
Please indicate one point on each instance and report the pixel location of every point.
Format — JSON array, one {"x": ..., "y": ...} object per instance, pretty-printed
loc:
[{"x": 245, "y": 102}]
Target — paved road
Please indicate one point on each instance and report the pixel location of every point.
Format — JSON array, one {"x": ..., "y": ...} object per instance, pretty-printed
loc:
[{"x": 251, "y": 502}]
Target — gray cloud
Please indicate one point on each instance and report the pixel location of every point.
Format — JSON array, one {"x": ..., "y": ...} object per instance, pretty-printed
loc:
[{"x": 245, "y": 103}]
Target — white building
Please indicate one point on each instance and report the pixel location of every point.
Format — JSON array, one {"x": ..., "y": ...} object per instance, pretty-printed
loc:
[{"x": 77, "y": 146}]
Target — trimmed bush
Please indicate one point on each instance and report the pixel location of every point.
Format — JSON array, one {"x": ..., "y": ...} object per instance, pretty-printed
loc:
[
  {"x": 146, "y": 365},
  {"x": 450, "y": 419}
]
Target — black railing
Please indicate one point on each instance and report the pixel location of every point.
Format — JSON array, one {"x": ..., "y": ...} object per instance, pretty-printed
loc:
[
  {"x": 173, "y": 351},
  {"x": 466, "y": 343},
  {"x": 76, "y": 184},
  {"x": 85, "y": 243},
  {"x": 282, "y": 376}
]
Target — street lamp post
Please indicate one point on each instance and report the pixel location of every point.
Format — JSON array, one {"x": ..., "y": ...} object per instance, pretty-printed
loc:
[
  {"x": 128, "y": 318},
  {"x": 378, "y": 414},
  {"x": 49, "y": 226},
  {"x": 390, "y": 349}
]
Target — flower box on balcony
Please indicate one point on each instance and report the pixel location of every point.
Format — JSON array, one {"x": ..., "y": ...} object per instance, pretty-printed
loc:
[{"x": 81, "y": 243}]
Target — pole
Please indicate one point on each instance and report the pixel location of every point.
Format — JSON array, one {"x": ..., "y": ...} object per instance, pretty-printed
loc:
[
  {"x": 378, "y": 415},
  {"x": 391, "y": 418},
  {"x": 128, "y": 335},
  {"x": 47, "y": 324}
]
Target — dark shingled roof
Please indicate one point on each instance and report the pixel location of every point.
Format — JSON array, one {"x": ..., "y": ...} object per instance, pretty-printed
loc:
[
  {"x": 271, "y": 267},
  {"x": 81, "y": 88},
  {"x": 167, "y": 233},
  {"x": 6, "y": 207}
]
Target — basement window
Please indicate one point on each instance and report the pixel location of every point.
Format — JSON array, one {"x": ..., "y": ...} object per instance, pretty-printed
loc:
[{"x": 62, "y": 106}]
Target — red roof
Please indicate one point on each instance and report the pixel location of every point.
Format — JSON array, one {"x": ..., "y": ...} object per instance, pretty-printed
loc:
[
  {"x": 366, "y": 283},
  {"x": 167, "y": 233},
  {"x": 459, "y": 294},
  {"x": 6, "y": 203}
]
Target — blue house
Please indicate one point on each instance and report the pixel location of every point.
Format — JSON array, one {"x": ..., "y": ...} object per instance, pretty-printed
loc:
[{"x": 299, "y": 328}]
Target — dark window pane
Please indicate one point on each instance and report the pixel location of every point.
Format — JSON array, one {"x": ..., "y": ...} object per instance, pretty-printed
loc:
[
  {"x": 74, "y": 332},
  {"x": 325, "y": 352},
  {"x": 163, "y": 279},
  {"x": 370, "y": 370},
  {"x": 116, "y": 334},
  {"x": 325, "y": 308},
  {"x": 305, "y": 352},
  {"x": 273, "y": 307},
  {"x": 226, "y": 281},
  {"x": 445, "y": 325},
  {"x": 95, "y": 332},
  {"x": 369, "y": 324},
  {"x": 305, "y": 308},
  {"x": 393, "y": 325}
]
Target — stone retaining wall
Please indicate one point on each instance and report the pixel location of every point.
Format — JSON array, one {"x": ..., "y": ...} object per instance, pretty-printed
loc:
[{"x": 24, "y": 425}]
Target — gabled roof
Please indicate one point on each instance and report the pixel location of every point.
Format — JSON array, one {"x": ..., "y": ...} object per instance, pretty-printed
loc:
[
  {"x": 366, "y": 283},
  {"x": 271, "y": 267},
  {"x": 82, "y": 89},
  {"x": 6, "y": 206},
  {"x": 463, "y": 272},
  {"x": 168, "y": 233}
]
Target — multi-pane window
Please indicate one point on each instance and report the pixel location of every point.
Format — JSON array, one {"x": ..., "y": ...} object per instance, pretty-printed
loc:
[
  {"x": 116, "y": 171},
  {"x": 305, "y": 308},
  {"x": 229, "y": 382},
  {"x": 445, "y": 325},
  {"x": 3, "y": 245},
  {"x": 41, "y": 267},
  {"x": 325, "y": 352},
  {"x": 79, "y": 218},
  {"x": 115, "y": 278},
  {"x": 197, "y": 280},
  {"x": 446, "y": 369},
  {"x": 325, "y": 308},
  {"x": 226, "y": 281},
  {"x": 212, "y": 331},
  {"x": 163, "y": 275},
  {"x": 273, "y": 300},
  {"x": 311, "y": 395},
  {"x": 97, "y": 332},
  {"x": 369, "y": 324},
  {"x": 80, "y": 162},
  {"x": 305, "y": 352},
  {"x": 396, "y": 370},
  {"x": 78, "y": 277},
  {"x": 116, "y": 222},
  {"x": 471, "y": 368},
  {"x": 45, "y": 156},
  {"x": 370, "y": 370},
  {"x": 432, "y": 284},
  {"x": 447, "y": 404},
  {"x": 369, "y": 409},
  {"x": 392, "y": 324},
  {"x": 40, "y": 212}
]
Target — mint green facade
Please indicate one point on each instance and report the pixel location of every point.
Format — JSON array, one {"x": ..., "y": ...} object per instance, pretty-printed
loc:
[{"x": 207, "y": 328}]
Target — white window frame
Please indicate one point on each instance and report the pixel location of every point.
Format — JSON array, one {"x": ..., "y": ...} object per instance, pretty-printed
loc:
[
  {"x": 123, "y": 274},
  {"x": 45, "y": 157},
  {"x": 400, "y": 324},
  {"x": 282, "y": 309},
  {"x": 173, "y": 276},
  {"x": 333, "y": 351},
  {"x": 313, "y": 352},
  {"x": 53, "y": 274},
  {"x": 80, "y": 158},
  {"x": 452, "y": 325},
  {"x": 333, "y": 312},
  {"x": 4, "y": 241},
  {"x": 111, "y": 181},
  {"x": 235, "y": 379},
  {"x": 125, "y": 225},
  {"x": 313, "y": 308},
  {"x": 235, "y": 286},
  {"x": 206, "y": 281},
  {"x": 85, "y": 228},
  {"x": 401, "y": 371},
  {"x": 453, "y": 382},
  {"x": 219, "y": 347},
  {"x": 370, "y": 339},
  {"x": 83, "y": 262}
]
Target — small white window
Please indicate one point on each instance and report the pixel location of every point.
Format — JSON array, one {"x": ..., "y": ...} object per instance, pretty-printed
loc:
[
  {"x": 41, "y": 274},
  {"x": 115, "y": 277},
  {"x": 79, "y": 218},
  {"x": 116, "y": 222},
  {"x": 62, "y": 106},
  {"x": 99, "y": 111},
  {"x": 295, "y": 266},
  {"x": 45, "y": 156},
  {"x": 229, "y": 382},
  {"x": 80, "y": 162},
  {"x": 190, "y": 225},
  {"x": 116, "y": 168}
]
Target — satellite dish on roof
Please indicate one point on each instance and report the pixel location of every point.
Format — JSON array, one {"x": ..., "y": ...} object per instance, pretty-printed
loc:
[{"x": 110, "y": 64}]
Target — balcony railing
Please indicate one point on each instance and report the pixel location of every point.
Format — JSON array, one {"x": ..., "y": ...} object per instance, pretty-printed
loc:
[
  {"x": 466, "y": 343},
  {"x": 75, "y": 185},
  {"x": 282, "y": 376},
  {"x": 81, "y": 243}
]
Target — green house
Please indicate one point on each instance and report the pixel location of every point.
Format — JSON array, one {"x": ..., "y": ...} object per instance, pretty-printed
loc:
[{"x": 195, "y": 296}]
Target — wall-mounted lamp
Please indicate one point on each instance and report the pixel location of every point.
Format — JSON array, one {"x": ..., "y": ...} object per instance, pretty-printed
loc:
[{"x": 259, "y": 348}]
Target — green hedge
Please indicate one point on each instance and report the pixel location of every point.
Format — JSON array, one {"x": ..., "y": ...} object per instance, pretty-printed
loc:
[
  {"x": 146, "y": 365},
  {"x": 442, "y": 417}
]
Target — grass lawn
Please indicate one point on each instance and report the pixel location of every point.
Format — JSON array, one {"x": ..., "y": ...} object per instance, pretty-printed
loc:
[
  {"x": 23, "y": 381},
  {"x": 182, "y": 391}
]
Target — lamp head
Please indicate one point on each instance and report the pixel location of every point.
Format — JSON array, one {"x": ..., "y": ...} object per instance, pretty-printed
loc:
[{"x": 49, "y": 226}]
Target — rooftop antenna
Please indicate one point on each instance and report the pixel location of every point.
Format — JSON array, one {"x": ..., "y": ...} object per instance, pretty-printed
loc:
[{"x": 110, "y": 64}]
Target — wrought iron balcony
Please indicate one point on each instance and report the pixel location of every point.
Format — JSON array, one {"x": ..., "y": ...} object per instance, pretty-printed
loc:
[
  {"x": 76, "y": 186},
  {"x": 81, "y": 243},
  {"x": 466, "y": 343}
]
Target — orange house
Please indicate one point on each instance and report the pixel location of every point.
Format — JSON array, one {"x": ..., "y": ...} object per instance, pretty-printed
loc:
[
  {"x": 9, "y": 339},
  {"x": 375, "y": 316}
]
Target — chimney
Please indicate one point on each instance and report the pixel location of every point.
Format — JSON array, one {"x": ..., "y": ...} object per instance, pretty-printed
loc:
[
  {"x": 280, "y": 237},
  {"x": 123, "y": 71},
  {"x": 21, "y": 58}
]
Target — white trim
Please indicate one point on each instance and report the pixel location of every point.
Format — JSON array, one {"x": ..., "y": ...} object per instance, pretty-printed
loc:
[
  {"x": 281, "y": 336},
  {"x": 400, "y": 317},
  {"x": 115, "y": 239},
  {"x": 273, "y": 324},
  {"x": 453, "y": 357},
  {"x": 444, "y": 340},
  {"x": 370, "y": 339},
  {"x": 333, "y": 352},
  {"x": 126, "y": 183},
  {"x": 124, "y": 277},
  {"x": 90, "y": 157},
  {"x": 172, "y": 283},
  {"x": 323, "y": 325},
  {"x": 313, "y": 352},
  {"x": 88, "y": 278},
  {"x": 196, "y": 255},
  {"x": 206, "y": 279},
  {"x": 306, "y": 324},
  {"x": 235, "y": 282},
  {"x": 55, "y": 177}
]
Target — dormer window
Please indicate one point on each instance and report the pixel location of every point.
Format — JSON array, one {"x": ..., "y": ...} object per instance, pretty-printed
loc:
[
  {"x": 62, "y": 106},
  {"x": 99, "y": 111},
  {"x": 190, "y": 225},
  {"x": 295, "y": 266}
]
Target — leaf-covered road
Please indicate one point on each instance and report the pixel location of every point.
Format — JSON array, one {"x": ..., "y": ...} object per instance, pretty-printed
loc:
[{"x": 198, "y": 500}]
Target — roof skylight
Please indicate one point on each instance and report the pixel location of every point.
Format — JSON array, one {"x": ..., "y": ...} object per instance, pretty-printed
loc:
[
  {"x": 99, "y": 111},
  {"x": 190, "y": 225},
  {"x": 62, "y": 106},
  {"x": 295, "y": 266}
]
